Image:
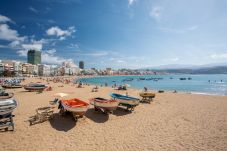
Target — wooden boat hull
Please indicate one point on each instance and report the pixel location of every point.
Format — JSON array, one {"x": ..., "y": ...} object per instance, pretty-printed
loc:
[
  {"x": 105, "y": 104},
  {"x": 7, "y": 106},
  {"x": 75, "y": 106},
  {"x": 10, "y": 95},
  {"x": 125, "y": 99},
  {"x": 35, "y": 87},
  {"x": 12, "y": 86},
  {"x": 147, "y": 94}
]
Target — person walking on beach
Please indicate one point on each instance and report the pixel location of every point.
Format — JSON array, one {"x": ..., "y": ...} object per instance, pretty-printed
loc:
[{"x": 145, "y": 89}]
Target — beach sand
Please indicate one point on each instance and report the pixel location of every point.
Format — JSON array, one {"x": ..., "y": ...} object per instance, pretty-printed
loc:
[{"x": 173, "y": 121}]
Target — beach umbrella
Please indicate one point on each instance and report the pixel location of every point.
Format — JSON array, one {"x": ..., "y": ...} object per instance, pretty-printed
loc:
[{"x": 61, "y": 95}]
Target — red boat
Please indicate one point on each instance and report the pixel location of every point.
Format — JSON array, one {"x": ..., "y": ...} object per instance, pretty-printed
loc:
[{"x": 76, "y": 106}]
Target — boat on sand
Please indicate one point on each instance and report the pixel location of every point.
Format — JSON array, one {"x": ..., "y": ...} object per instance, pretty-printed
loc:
[
  {"x": 105, "y": 105},
  {"x": 35, "y": 87},
  {"x": 7, "y": 106},
  {"x": 76, "y": 106},
  {"x": 147, "y": 94},
  {"x": 9, "y": 86},
  {"x": 6, "y": 95},
  {"x": 127, "y": 101}
]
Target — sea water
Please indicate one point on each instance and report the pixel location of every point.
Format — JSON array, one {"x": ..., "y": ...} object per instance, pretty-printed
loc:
[{"x": 214, "y": 84}]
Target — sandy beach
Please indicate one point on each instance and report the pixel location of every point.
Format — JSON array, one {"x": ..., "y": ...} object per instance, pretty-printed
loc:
[{"x": 173, "y": 121}]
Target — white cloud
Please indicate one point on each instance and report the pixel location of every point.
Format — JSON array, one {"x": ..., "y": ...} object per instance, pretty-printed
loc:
[
  {"x": 178, "y": 31},
  {"x": 174, "y": 59},
  {"x": 14, "y": 44},
  {"x": 35, "y": 46},
  {"x": 219, "y": 56},
  {"x": 156, "y": 12},
  {"x": 62, "y": 34},
  {"x": 93, "y": 53},
  {"x": 9, "y": 34},
  {"x": 33, "y": 9},
  {"x": 51, "y": 51},
  {"x": 4, "y": 19},
  {"x": 49, "y": 57},
  {"x": 73, "y": 46},
  {"x": 131, "y": 2},
  {"x": 3, "y": 46}
]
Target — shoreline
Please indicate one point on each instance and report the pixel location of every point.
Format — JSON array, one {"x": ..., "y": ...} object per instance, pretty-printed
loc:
[{"x": 154, "y": 90}]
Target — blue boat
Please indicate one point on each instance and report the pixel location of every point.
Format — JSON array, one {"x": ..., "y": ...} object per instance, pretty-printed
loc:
[{"x": 125, "y": 100}]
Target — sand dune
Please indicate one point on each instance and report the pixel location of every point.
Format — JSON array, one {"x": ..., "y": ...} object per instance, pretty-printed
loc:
[{"x": 171, "y": 122}]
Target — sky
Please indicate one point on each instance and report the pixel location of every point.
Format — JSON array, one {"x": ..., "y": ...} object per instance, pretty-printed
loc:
[{"x": 115, "y": 33}]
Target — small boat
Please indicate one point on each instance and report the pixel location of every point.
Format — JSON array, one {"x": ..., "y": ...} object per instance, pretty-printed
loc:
[
  {"x": 76, "y": 106},
  {"x": 9, "y": 86},
  {"x": 183, "y": 78},
  {"x": 35, "y": 87},
  {"x": 147, "y": 94},
  {"x": 127, "y": 79},
  {"x": 7, "y": 106},
  {"x": 123, "y": 99},
  {"x": 104, "y": 104},
  {"x": 6, "y": 95}
]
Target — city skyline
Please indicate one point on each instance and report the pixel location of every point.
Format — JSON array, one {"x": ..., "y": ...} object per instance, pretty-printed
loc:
[{"x": 116, "y": 33}]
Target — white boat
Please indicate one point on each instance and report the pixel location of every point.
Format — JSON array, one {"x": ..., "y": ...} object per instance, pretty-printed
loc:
[
  {"x": 105, "y": 104},
  {"x": 7, "y": 106},
  {"x": 123, "y": 99}
]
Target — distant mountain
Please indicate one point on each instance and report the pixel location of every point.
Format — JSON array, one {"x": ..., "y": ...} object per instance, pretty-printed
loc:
[
  {"x": 178, "y": 66},
  {"x": 202, "y": 70}
]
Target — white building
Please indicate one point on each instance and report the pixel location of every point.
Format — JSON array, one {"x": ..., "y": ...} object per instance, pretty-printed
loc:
[{"x": 44, "y": 70}]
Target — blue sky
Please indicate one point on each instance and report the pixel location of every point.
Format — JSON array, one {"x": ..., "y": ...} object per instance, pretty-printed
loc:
[{"x": 115, "y": 33}]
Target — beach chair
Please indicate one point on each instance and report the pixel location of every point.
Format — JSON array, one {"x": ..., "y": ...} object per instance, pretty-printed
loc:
[{"x": 42, "y": 114}]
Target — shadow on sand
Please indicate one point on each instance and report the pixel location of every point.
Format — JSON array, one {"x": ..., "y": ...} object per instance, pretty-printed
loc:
[
  {"x": 120, "y": 111},
  {"x": 63, "y": 123},
  {"x": 95, "y": 116}
]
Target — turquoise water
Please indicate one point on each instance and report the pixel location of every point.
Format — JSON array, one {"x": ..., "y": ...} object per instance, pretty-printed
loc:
[{"x": 197, "y": 84}]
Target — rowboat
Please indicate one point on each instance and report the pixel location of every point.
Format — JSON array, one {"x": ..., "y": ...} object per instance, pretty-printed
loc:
[
  {"x": 147, "y": 94},
  {"x": 5, "y": 95},
  {"x": 7, "y": 106},
  {"x": 12, "y": 86},
  {"x": 35, "y": 87},
  {"x": 105, "y": 105},
  {"x": 123, "y": 99},
  {"x": 76, "y": 106}
]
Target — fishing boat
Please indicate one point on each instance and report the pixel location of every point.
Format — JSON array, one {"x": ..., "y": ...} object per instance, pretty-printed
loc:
[
  {"x": 147, "y": 94},
  {"x": 105, "y": 105},
  {"x": 35, "y": 87},
  {"x": 9, "y": 86},
  {"x": 7, "y": 106},
  {"x": 5, "y": 95},
  {"x": 76, "y": 106},
  {"x": 127, "y": 101},
  {"x": 127, "y": 79}
]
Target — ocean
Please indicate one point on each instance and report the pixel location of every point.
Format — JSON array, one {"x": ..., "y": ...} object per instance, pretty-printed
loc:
[{"x": 212, "y": 84}]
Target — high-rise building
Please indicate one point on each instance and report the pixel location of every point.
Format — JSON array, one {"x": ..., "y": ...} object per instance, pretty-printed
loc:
[
  {"x": 81, "y": 65},
  {"x": 34, "y": 57}
]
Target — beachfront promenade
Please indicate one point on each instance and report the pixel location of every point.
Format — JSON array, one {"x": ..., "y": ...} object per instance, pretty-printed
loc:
[{"x": 173, "y": 121}]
